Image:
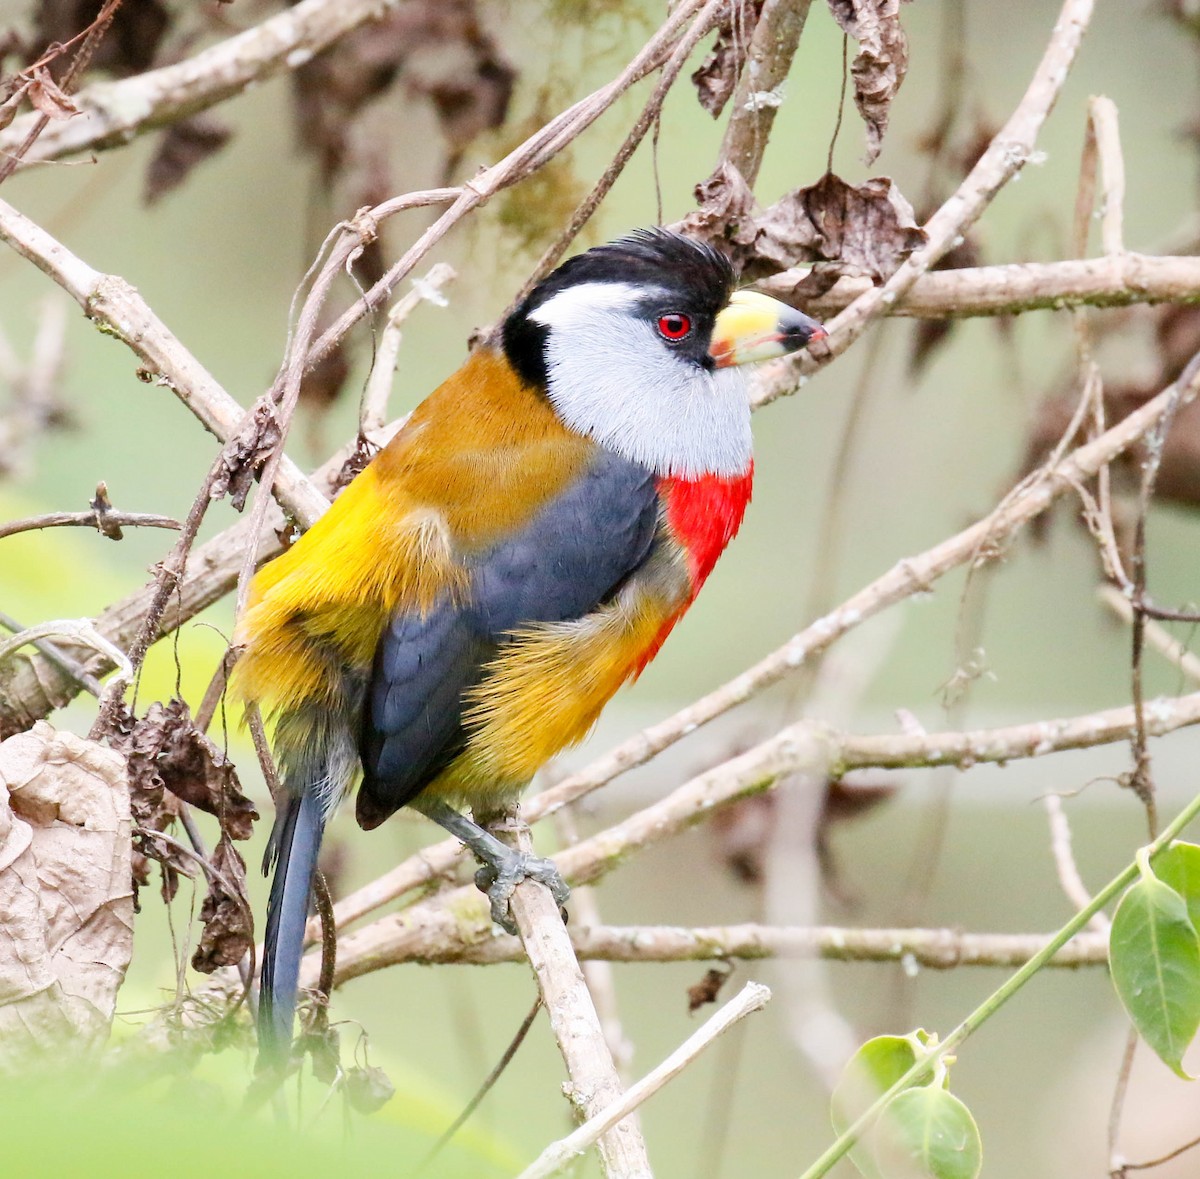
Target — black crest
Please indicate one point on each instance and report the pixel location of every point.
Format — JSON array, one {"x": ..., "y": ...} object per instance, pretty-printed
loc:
[{"x": 699, "y": 275}]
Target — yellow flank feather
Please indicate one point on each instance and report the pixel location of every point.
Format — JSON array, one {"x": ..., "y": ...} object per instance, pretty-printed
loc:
[{"x": 548, "y": 688}]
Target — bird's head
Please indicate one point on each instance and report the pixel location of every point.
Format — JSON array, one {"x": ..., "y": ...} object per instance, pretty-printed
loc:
[{"x": 638, "y": 344}]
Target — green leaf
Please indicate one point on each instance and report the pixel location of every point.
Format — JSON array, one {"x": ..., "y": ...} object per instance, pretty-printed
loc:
[
  {"x": 1178, "y": 866},
  {"x": 1154, "y": 956},
  {"x": 868, "y": 1075},
  {"x": 927, "y": 1133}
]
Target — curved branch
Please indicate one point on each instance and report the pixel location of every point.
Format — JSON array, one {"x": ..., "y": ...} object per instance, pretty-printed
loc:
[{"x": 116, "y": 112}]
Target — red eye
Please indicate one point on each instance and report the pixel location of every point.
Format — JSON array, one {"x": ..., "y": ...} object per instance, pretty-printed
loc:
[{"x": 674, "y": 326}]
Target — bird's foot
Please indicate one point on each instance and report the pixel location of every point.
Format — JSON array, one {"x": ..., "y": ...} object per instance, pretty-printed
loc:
[{"x": 499, "y": 879}]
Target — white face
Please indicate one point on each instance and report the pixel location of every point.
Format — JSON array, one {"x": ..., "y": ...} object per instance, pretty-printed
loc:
[{"x": 612, "y": 377}]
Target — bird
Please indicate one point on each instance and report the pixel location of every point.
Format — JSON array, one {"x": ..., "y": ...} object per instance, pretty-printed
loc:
[{"x": 519, "y": 550}]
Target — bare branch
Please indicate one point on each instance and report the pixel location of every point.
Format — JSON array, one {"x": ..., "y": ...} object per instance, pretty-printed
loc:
[
  {"x": 758, "y": 96},
  {"x": 117, "y": 112},
  {"x": 1102, "y": 116},
  {"x": 114, "y": 303},
  {"x": 936, "y": 949},
  {"x": 1117, "y": 280},
  {"x": 91, "y": 519},
  {"x": 595, "y": 1085}
]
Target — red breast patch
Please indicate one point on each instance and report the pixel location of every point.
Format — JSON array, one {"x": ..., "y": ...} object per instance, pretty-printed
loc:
[{"x": 705, "y": 514}]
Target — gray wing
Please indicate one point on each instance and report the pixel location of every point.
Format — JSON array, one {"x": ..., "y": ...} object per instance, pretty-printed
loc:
[{"x": 571, "y": 557}]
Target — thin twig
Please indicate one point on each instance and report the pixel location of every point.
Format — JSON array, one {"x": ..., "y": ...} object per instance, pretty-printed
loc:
[
  {"x": 559, "y": 1155},
  {"x": 372, "y": 413},
  {"x": 117, "y": 112},
  {"x": 1163, "y": 1158},
  {"x": 88, "y": 520},
  {"x": 484, "y": 1089}
]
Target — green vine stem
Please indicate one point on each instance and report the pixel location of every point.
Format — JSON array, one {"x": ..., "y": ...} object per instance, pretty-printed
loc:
[{"x": 999, "y": 997}]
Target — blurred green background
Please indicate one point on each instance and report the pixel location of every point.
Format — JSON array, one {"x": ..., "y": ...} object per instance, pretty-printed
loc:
[{"x": 219, "y": 261}]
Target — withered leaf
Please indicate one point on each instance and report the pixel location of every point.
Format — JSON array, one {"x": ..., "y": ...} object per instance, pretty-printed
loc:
[
  {"x": 66, "y": 909},
  {"x": 153, "y": 808},
  {"x": 865, "y": 229},
  {"x": 437, "y": 49},
  {"x": 708, "y": 989},
  {"x": 244, "y": 455},
  {"x": 170, "y": 761},
  {"x": 726, "y": 214},
  {"x": 717, "y": 77},
  {"x": 879, "y": 65},
  {"x": 180, "y": 148},
  {"x": 368, "y": 1089},
  {"x": 46, "y": 96},
  {"x": 228, "y": 928},
  {"x": 192, "y": 768}
]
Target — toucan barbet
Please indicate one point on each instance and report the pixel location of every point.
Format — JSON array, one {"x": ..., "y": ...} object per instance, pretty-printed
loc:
[{"x": 520, "y": 550}]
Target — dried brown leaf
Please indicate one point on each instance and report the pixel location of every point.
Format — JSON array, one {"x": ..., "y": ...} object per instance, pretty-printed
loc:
[
  {"x": 438, "y": 50},
  {"x": 708, "y": 989},
  {"x": 368, "y": 1089},
  {"x": 862, "y": 229},
  {"x": 717, "y": 77},
  {"x": 192, "y": 768},
  {"x": 879, "y": 65},
  {"x": 228, "y": 928},
  {"x": 170, "y": 761},
  {"x": 66, "y": 909},
  {"x": 726, "y": 214},
  {"x": 180, "y": 148},
  {"x": 843, "y": 229},
  {"x": 46, "y": 96},
  {"x": 244, "y": 455}
]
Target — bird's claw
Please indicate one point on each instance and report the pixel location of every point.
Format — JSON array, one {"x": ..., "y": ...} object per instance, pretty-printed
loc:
[{"x": 500, "y": 881}]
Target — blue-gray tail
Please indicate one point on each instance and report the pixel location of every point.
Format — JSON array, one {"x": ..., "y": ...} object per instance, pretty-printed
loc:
[{"x": 295, "y": 842}]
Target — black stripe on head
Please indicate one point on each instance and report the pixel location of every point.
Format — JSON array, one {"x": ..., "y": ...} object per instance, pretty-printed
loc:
[{"x": 701, "y": 276}]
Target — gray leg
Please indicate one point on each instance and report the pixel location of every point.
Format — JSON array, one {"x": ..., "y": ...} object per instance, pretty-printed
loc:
[{"x": 503, "y": 867}]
